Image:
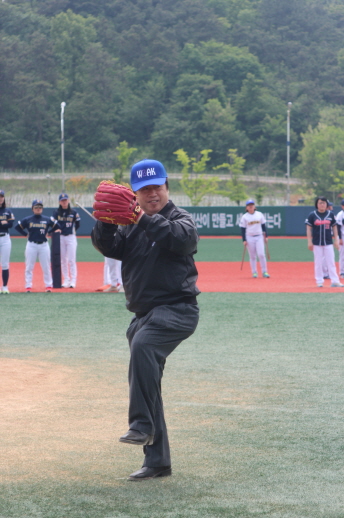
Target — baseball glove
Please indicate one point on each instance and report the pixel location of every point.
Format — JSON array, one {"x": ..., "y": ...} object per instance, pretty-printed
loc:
[{"x": 116, "y": 204}]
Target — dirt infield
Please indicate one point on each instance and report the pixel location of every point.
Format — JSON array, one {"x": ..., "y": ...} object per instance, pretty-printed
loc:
[{"x": 297, "y": 277}]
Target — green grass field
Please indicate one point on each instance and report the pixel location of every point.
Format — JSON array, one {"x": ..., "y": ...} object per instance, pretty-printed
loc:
[
  {"x": 208, "y": 250},
  {"x": 253, "y": 401}
]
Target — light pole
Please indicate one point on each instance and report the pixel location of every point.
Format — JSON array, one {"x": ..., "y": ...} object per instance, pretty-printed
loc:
[
  {"x": 288, "y": 153},
  {"x": 48, "y": 177},
  {"x": 62, "y": 146}
]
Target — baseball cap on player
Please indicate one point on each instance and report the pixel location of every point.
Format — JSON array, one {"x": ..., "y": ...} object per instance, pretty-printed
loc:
[
  {"x": 2, "y": 193},
  {"x": 147, "y": 172},
  {"x": 63, "y": 196},
  {"x": 37, "y": 202},
  {"x": 342, "y": 202},
  {"x": 249, "y": 202}
]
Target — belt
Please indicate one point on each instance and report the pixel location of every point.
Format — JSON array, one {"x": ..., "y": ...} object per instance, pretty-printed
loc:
[
  {"x": 4, "y": 234},
  {"x": 186, "y": 300},
  {"x": 38, "y": 242}
]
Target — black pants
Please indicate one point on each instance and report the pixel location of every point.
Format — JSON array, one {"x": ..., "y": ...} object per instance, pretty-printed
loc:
[{"x": 151, "y": 339}]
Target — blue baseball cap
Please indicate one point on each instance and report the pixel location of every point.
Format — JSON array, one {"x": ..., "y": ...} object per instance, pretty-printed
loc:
[
  {"x": 342, "y": 202},
  {"x": 37, "y": 202},
  {"x": 147, "y": 172},
  {"x": 2, "y": 193},
  {"x": 63, "y": 196},
  {"x": 249, "y": 202}
]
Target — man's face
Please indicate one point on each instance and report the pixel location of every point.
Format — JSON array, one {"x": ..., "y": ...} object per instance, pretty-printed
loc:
[
  {"x": 251, "y": 208},
  {"x": 153, "y": 198},
  {"x": 37, "y": 210},
  {"x": 322, "y": 206}
]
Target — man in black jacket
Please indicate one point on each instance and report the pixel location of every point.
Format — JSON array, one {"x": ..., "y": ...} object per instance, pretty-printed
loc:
[{"x": 159, "y": 279}]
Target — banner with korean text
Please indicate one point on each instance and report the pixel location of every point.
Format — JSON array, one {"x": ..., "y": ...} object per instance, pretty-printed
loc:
[{"x": 225, "y": 221}]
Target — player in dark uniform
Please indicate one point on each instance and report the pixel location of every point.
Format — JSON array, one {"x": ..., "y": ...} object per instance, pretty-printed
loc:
[
  {"x": 69, "y": 221},
  {"x": 159, "y": 279},
  {"x": 319, "y": 226},
  {"x": 6, "y": 222},
  {"x": 36, "y": 227}
]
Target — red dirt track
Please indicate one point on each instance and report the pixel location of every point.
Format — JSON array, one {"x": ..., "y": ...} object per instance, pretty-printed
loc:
[{"x": 213, "y": 277}]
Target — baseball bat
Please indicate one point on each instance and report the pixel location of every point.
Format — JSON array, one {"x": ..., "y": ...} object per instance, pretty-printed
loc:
[
  {"x": 243, "y": 257},
  {"x": 267, "y": 251},
  {"x": 85, "y": 210}
]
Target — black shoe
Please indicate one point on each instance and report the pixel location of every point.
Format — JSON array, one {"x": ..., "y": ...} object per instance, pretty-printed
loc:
[
  {"x": 136, "y": 437},
  {"x": 147, "y": 473}
]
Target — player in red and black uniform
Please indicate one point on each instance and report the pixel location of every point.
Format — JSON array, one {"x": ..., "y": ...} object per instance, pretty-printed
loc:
[{"x": 319, "y": 225}]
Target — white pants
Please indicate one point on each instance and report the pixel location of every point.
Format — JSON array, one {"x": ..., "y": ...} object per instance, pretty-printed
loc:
[
  {"x": 321, "y": 254},
  {"x": 42, "y": 252},
  {"x": 341, "y": 259},
  {"x": 112, "y": 271},
  {"x": 5, "y": 251},
  {"x": 255, "y": 247},
  {"x": 68, "y": 246}
]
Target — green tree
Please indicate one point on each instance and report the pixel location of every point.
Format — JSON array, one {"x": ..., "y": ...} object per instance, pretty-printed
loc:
[
  {"x": 259, "y": 194},
  {"x": 181, "y": 125},
  {"x": 223, "y": 62},
  {"x": 194, "y": 184},
  {"x": 322, "y": 157},
  {"x": 219, "y": 130},
  {"x": 71, "y": 35},
  {"x": 235, "y": 190},
  {"x": 262, "y": 116},
  {"x": 123, "y": 157},
  {"x": 337, "y": 188}
]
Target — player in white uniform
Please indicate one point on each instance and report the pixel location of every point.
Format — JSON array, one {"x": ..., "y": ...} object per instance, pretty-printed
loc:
[
  {"x": 36, "y": 228},
  {"x": 6, "y": 222},
  {"x": 340, "y": 225},
  {"x": 325, "y": 268},
  {"x": 69, "y": 221},
  {"x": 254, "y": 236},
  {"x": 113, "y": 275}
]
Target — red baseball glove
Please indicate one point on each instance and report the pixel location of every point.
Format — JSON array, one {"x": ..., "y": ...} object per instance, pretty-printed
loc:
[{"x": 116, "y": 204}]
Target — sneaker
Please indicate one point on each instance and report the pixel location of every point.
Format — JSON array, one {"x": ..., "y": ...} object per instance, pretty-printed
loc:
[
  {"x": 255, "y": 275},
  {"x": 28, "y": 290},
  {"x": 266, "y": 275},
  {"x": 114, "y": 289},
  {"x": 326, "y": 276},
  {"x": 48, "y": 289},
  {"x": 5, "y": 289},
  {"x": 342, "y": 275},
  {"x": 337, "y": 285},
  {"x": 319, "y": 285},
  {"x": 72, "y": 286},
  {"x": 65, "y": 285}
]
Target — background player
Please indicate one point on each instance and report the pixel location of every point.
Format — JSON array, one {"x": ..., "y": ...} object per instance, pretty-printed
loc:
[
  {"x": 254, "y": 236},
  {"x": 340, "y": 225},
  {"x": 113, "y": 275},
  {"x": 69, "y": 222},
  {"x": 319, "y": 226},
  {"x": 6, "y": 222},
  {"x": 325, "y": 269},
  {"x": 36, "y": 228}
]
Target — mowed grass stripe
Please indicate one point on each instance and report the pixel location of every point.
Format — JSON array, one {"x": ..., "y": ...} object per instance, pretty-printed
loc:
[
  {"x": 253, "y": 403},
  {"x": 231, "y": 250}
]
